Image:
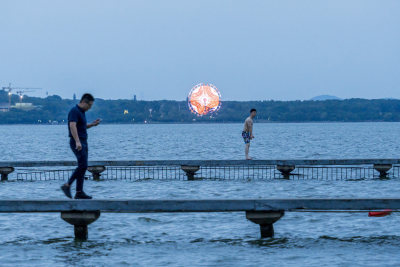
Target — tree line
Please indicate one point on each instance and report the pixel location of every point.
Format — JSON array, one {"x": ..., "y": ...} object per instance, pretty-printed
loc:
[{"x": 54, "y": 109}]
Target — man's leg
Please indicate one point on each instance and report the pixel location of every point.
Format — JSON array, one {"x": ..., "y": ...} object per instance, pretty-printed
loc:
[
  {"x": 79, "y": 173},
  {"x": 66, "y": 188},
  {"x": 82, "y": 167},
  {"x": 246, "y": 150}
]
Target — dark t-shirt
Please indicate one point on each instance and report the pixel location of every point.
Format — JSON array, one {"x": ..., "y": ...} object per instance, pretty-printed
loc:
[{"x": 76, "y": 114}]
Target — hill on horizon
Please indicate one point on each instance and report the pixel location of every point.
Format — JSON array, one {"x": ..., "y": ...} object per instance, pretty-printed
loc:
[{"x": 325, "y": 97}]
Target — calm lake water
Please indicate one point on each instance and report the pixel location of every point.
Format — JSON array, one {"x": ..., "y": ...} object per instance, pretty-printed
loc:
[{"x": 204, "y": 239}]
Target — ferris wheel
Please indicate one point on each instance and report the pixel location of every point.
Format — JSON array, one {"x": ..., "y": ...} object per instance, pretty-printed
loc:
[{"x": 204, "y": 99}]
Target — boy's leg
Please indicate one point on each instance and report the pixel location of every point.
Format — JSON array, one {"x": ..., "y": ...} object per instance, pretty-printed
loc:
[{"x": 246, "y": 150}]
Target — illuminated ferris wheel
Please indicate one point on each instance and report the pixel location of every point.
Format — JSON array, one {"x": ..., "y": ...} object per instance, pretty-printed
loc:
[{"x": 204, "y": 99}]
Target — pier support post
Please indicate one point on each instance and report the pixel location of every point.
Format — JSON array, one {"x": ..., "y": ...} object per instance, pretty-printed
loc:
[
  {"x": 96, "y": 171},
  {"x": 190, "y": 171},
  {"x": 285, "y": 170},
  {"x": 5, "y": 171},
  {"x": 80, "y": 220},
  {"x": 266, "y": 220},
  {"x": 382, "y": 169}
]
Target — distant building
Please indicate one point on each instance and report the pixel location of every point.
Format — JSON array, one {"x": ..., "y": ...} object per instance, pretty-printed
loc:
[
  {"x": 24, "y": 106},
  {"x": 134, "y": 98},
  {"x": 74, "y": 97},
  {"x": 4, "y": 107}
]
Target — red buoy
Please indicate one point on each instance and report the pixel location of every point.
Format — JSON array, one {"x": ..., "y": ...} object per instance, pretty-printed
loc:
[{"x": 379, "y": 213}]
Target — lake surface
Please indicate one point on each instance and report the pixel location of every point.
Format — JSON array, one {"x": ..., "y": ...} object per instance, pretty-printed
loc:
[{"x": 204, "y": 239}]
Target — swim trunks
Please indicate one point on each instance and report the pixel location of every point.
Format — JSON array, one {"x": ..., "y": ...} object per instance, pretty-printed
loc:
[{"x": 246, "y": 137}]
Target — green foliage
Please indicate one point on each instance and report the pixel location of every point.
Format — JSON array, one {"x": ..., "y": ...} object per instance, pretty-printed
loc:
[{"x": 54, "y": 108}]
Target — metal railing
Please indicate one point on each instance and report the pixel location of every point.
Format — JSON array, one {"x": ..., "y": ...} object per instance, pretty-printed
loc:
[{"x": 344, "y": 169}]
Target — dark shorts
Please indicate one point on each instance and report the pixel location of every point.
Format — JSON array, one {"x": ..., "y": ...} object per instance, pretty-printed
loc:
[{"x": 246, "y": 137}]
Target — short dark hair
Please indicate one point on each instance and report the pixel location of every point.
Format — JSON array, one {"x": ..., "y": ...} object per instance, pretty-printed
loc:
[
  {"x": 253, "y": 109},
  {"x": 87, "y": 98}
]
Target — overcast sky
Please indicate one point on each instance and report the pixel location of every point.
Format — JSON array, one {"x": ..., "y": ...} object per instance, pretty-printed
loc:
[{"x": 250, "y": 50}]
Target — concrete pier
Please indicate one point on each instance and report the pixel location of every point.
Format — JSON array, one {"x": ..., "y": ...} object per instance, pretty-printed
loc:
[
  {"x": 383, "y": 169},
  {"x": 80, "y": 220},
  {"x": 191, "y": 167},
  {"x": 266, "y": 221},
  {"x": 264, "y": 212},
  {"x": 4, "y": 172},
  {"x": 285, "y": 170},
  {"x": 190, "y": 171},
  {"x": 96, "y": 171},
  {"x": 205, "y": 163}
]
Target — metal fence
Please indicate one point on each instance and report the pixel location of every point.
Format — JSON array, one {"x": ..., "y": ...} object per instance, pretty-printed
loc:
[
  {"x": 41, "y": 174},
  {"x": 246, "y": 173}
]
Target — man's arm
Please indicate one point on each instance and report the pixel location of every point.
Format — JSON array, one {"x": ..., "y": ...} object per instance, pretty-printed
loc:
[
  {"x": 74, "y": 133},
  {"x": 94, "y": 123},
  {"x": 251, "y": 129}
]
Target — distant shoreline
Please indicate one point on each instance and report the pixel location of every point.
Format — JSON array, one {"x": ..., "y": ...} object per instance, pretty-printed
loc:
[
  {"x": 55, "y": 109},
  {"x": 199, "y": 123}
]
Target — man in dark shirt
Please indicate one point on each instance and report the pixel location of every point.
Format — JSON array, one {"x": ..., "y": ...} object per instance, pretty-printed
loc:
[{"x": 77, "y": 126}]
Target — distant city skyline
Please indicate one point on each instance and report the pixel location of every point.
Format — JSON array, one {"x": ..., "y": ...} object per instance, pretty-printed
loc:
[{"x": 258, "y": 50}]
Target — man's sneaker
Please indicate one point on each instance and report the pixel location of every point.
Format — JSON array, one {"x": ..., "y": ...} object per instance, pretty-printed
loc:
[
  {"x": 82, "y": 195},
  {"x": 66, "y": 190}
]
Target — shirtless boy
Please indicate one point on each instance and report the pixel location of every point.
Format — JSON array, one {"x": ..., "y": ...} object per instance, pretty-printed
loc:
[{"x": 247, "y": 133}]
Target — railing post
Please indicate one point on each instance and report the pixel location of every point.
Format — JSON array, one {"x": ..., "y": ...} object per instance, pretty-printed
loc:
[
  {"x": 5, "y": 171},
  {"x": 190, "y": 171},
  {"x": 285, "y": 170},
  {"x": 266, "y": 220},
  {"x": 382, "y": 169},
  {"x": 96, "y": 171},
  {"x": 80, "y": 220}
]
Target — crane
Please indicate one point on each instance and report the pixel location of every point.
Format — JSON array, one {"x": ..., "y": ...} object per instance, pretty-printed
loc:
[
  {"x": 19, "y": 90},
  {"x": 21, "y": 94}
]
